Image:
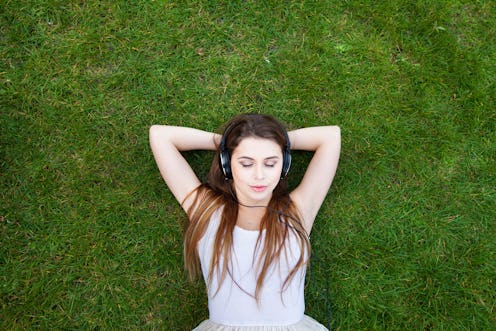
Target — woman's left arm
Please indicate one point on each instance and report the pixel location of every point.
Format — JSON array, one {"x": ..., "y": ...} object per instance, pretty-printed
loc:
[{"x": 325, "y": 142}]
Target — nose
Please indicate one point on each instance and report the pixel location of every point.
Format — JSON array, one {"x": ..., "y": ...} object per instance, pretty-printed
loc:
[{"x": 259, "y": 172}]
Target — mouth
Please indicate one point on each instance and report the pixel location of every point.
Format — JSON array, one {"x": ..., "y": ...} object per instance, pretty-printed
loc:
[{"x": 258, "y": 188}]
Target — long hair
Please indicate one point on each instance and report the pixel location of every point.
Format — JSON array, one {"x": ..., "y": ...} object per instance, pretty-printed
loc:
[{"x": 281, "y": 219}]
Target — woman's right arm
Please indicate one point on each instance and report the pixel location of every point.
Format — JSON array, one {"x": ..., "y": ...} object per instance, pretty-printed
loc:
[{"x": 167, "y": 143}]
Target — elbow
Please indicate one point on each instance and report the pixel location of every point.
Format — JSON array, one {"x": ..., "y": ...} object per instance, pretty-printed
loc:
[
  {"x": 157, "y": 133},
  {"x": 153, "y": 132},
  {"x": 154, "y": 129},
  {"x": 333, "y": 139},
  {"x": 334, "y": 132},
  {"x": 337, "y": 134}
]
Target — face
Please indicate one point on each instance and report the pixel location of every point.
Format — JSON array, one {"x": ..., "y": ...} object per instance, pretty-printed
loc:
[{"x": 256, "y": 165}]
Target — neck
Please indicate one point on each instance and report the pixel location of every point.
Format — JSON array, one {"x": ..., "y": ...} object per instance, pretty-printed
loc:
[{"x": 249, "y": 218}]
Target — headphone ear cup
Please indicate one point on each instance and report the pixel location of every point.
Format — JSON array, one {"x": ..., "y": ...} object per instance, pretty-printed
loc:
[
  {"x": 225, "y": 164},
  {"x": 286, "y": 164}
]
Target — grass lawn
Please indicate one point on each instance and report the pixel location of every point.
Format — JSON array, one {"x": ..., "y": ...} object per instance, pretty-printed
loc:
[{"x": 91, "y": 238}]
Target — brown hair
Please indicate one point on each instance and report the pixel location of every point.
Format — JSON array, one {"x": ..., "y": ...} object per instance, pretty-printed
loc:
[{"x": 280, "y": 220}]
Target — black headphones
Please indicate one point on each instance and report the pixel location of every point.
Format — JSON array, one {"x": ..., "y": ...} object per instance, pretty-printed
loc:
[{"x": 225, "y": 157}]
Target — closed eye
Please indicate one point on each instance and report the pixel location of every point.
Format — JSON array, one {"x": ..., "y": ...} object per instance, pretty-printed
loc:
[
  {"x": 246, "y": 165},
  {"x": 269, "y": 162}
]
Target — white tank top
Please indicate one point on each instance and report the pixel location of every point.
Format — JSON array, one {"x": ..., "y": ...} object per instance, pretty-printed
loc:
[{"x": 235, "y": 304}]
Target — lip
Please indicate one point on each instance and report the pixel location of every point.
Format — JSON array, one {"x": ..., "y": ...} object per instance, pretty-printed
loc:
[{"x": 258, "y": 188}]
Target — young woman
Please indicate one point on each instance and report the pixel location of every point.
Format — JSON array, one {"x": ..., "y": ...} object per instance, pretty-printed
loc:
[{"x": 247, "y": 234}]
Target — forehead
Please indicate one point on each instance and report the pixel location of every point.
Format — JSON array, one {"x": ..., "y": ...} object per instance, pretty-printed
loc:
[{"x": 254, "y": 147}]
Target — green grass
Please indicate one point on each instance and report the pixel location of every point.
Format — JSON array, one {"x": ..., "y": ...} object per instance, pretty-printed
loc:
[{"x": 90, "y": 235}]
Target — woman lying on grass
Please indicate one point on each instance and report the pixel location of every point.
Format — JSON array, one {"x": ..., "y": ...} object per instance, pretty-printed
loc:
[{"x": 247, "y": 234}]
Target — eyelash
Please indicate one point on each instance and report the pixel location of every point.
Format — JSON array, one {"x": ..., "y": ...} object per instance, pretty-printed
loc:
[{"x": 249, "y": 165}]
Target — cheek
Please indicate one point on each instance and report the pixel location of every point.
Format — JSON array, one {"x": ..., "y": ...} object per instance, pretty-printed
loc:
[
  {"x": 274, "y": 178},
  {"x": 239, "y": 173},
  {"x": 277, "y": 170}
]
